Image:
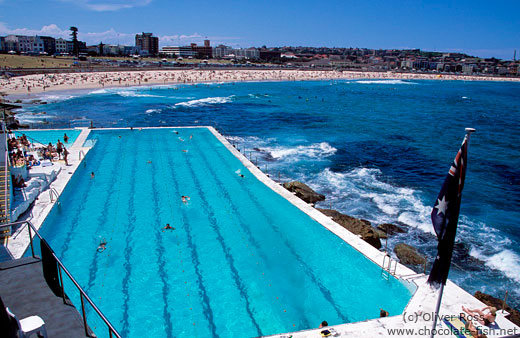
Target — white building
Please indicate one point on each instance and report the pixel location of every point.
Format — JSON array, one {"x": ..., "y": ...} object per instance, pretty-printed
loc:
[
  {"x": 61, "y": 46},
  {"x": 222, "y": 51},
  {"x": 25, "y": 44},
  {"x": 182, "y": 51}
]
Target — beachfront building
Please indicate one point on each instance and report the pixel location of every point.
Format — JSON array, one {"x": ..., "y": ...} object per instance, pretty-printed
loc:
[
  {"x": 203, "y": 52},
  {"x": 247, "y": 53},
  {"x": 61, "y": 46},
  {"x": 147, "y": 43},
  {"x": 49, "y": 44},
  {"x": 178, "y": 51},
  {"x": 222, "y": 51}
]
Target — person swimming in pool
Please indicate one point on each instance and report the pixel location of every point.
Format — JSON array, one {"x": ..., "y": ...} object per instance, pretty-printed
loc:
[
  {"x": 102, "y": 246},
  {"x": 167, "y": 227},
  {"x": 185, "y": 199}
]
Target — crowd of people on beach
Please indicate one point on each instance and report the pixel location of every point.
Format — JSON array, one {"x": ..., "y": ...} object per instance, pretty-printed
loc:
[{"x": 65, "y": 81}]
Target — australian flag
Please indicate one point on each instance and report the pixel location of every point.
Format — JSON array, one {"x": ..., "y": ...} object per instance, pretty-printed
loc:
[{"x": 445, "y": 215}]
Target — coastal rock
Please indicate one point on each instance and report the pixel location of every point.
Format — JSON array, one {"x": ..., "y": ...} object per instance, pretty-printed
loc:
[
  {"x": 390, "y": 229},
  {"x": 304, "y": 192},
  {"x": 357, "y": 226},
  {"x": 381, "y": 233},
  {"x": 408, "y": 254},
  {"x": 492, "y": 301}
]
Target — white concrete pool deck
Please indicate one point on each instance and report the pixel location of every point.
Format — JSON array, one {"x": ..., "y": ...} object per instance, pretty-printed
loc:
[
  {"x": 417, "y": 315},
  {"x": 19, "y": 241}
]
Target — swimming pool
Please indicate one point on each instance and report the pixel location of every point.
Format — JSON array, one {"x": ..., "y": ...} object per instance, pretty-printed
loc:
[
  {"x": 53, "y": 135},
  {"x": 242, "y": 260}
]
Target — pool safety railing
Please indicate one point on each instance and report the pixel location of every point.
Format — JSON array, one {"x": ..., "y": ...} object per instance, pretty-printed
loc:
[
  {"x": 63, "y": 270},
  {"x": 5, "y": 208}
]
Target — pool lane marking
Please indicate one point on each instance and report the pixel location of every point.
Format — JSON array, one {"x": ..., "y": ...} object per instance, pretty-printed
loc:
[
  {"x": 82, "y": 204},
  {"x": 208, "y": 312},
  {"x": 171, "y": 206},
  {"x": 101, "y": 224},
  {"x": 207, "y": 208},
  {"x": 241, "y": 220},
  {"x": 160, "y": 246},
  {"x": 325, "y": 292},
  {"x": 129, "y": 228}
]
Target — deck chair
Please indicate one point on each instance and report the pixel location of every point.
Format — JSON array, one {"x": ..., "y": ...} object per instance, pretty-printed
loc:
[{"x": 29, "y": 325}]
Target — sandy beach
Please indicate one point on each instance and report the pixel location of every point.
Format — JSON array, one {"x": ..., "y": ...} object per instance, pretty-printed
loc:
[{"x": 70, "y": 81}]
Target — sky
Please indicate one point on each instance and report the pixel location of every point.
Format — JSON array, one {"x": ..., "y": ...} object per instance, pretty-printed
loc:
[{"x": 481, "y": 28}]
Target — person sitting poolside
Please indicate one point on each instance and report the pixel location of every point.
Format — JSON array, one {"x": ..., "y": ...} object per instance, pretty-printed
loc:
[
  {"x": 471, "y": 329},
  {"x": 168, "y": 227},
  {"x": 483, "y": 318}
]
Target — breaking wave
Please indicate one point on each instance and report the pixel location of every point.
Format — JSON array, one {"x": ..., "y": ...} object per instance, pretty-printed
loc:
[
  {"x": 312, "y": 151},
  {"x": 391, "y": 82},
  {"x": 205, "y": 102}
]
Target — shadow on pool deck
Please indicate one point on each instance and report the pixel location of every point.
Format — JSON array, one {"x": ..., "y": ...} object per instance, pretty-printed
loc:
[{"x": 24, "y": 290}]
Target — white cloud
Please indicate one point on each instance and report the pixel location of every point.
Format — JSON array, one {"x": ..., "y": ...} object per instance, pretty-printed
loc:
[
  {"x": 109, "y": 5},
  {"x": 50, "y": 30}
]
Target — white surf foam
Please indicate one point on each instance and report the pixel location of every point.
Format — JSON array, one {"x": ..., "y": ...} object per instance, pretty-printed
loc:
[
  {"x": 505, "y": 261},
  {"x": 125, "y": 93},
  {"x": 314, "y": 151},
  {"x": 56, "y": 98},
  {"x": 151, "y": 111},
  {"x": 205, "y": 102},
  {"x": 391, "y": 82},
  {"x": 364, "y": 185}
]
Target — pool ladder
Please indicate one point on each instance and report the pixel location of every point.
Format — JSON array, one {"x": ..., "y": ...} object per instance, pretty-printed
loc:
[
  {"x": 53, "y": 193},
  {"x": 386, "y": 271}
]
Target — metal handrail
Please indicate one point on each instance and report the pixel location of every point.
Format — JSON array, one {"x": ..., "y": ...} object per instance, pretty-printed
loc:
[
  {"x": 83, "y": 294},
  {"x": 7, "y": 210}
]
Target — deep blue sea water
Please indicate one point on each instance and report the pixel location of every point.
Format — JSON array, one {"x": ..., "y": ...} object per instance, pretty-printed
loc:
[{"x": 378, "y": 150}]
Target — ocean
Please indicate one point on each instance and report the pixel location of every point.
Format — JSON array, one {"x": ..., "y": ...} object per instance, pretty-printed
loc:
[{"x": 377, "y": 149}]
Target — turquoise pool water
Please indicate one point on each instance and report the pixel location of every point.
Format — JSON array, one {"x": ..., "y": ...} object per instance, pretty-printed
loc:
[
  {"x": 45, "y": 136},
  {"x": 242, "y": 261}
]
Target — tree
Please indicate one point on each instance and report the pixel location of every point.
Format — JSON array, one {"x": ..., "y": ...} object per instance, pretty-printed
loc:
[
  {"x": 74, "y": 35},
  {"x": 101, "y": 45}
]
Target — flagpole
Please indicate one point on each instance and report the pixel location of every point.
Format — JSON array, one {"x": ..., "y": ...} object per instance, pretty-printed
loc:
[{"x": 437, "y": 308}]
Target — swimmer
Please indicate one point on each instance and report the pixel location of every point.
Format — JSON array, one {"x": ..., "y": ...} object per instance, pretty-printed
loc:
[
  {"x": 181, "y": 139},
  {"x": 167, "y": 227},
  {"x": 149, "y": 162},
  {"x": 191, "y": 136},
  {"x": 92, "y": 175},
  {"x": 185, "y": 199},
  {"x": 184, "y": 150},
  {"x": 102, "y": 246}
]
